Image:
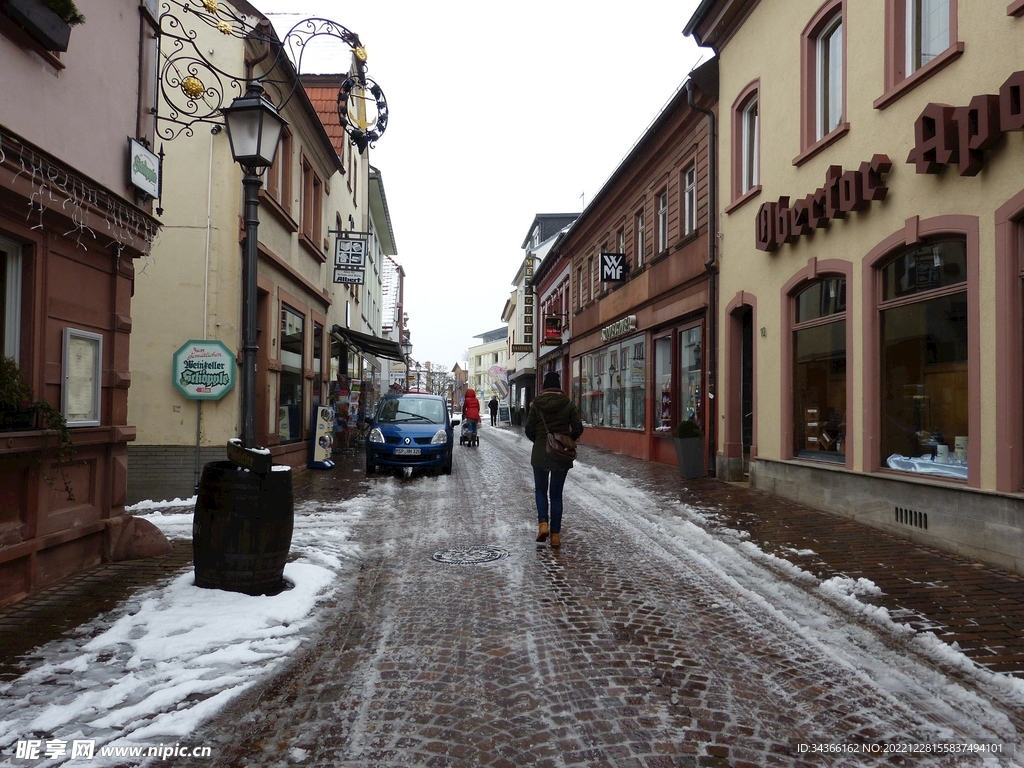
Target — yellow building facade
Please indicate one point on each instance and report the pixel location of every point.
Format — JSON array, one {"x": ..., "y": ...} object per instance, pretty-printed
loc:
[{"x": 871, "y": 261}]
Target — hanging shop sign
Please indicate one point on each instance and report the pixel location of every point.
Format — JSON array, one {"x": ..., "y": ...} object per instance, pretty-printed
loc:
[
  {"x": 528, "y": 306},
  {"x": 203, "y": 370},
  {"x": 944, "y": 135},
  {"x": 522, "y": 349},
  {"x": 552, "y": 329},
  {"x": 844, "y": 191},
  {"x": 350, "y": 260},
  {"x": 143, "y": 169},
  {"x": 613, "y": 267},
  {"x": 621, "y": 328}
]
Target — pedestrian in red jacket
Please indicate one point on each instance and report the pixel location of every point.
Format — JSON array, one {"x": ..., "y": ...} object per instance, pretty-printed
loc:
[{"x": 471, "y": 410}]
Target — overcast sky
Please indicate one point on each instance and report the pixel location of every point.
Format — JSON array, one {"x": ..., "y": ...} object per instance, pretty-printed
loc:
[{"x": 497, "y": 113}]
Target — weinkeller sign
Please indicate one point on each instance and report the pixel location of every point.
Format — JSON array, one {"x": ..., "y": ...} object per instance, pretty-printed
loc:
[{"x": 203, "y": 370}]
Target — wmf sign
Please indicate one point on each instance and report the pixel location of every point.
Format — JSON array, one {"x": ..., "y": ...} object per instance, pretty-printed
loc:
[
  {"x": 349, "y": 260},
  {"x": 613, "y": 267}
]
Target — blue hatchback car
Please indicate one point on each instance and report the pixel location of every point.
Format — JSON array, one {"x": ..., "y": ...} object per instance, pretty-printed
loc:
[{"x": 410, "y": 430}]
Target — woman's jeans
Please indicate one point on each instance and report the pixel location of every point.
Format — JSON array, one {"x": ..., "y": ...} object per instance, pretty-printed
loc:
[{"x": 540, "y": 486}]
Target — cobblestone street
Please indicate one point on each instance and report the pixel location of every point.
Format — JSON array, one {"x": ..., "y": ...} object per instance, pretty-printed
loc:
[{"x": 644, "y": 641}]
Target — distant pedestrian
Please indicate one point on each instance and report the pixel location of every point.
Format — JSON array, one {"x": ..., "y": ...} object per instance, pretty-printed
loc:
[
  {"x": 492, "y": 406},
  {"x": 551, "y": 410}
]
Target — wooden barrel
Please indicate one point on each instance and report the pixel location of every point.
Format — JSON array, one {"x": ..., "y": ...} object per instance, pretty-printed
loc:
[{"x": 242, "y": 528}]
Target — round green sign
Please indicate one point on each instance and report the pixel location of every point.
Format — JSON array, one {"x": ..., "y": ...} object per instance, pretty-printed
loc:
[{"x": 203, "y": 370}]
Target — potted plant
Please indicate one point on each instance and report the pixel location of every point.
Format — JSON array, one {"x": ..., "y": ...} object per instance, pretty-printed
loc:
[
  {"x": 688, "y": 439},
  {"x": 18, "y": 411},
  {"x": 48, "y": 21}
]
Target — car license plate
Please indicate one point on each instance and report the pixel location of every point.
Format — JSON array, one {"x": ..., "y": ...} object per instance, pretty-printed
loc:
[{"x": 407, "y": 451}]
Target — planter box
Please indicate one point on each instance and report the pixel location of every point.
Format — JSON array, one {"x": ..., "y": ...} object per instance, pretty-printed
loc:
[
  {"x": 52, "y": 32},
  {"x": 690, "y": 456}
]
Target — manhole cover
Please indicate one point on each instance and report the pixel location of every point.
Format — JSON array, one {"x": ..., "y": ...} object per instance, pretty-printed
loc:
[{"x": 469, "y": 555}]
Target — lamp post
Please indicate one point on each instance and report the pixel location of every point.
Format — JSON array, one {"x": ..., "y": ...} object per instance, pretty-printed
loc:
[
  {"x": 406, "y": 346},
  {"x": 254, "y": 129}
]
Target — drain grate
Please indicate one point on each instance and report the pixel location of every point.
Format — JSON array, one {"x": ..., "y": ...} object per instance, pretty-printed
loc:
[{"x": 469, "y": 555}]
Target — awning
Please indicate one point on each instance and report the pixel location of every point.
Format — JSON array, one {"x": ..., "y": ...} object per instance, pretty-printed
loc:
[{"x": 374, "y": 345}]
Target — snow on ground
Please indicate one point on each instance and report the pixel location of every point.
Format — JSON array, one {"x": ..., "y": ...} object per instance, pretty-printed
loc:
[{"x": 149, "y": 672}]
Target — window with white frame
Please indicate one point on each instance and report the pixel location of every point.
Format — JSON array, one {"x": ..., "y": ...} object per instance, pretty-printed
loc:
[
  {"x": 640, "y": 237},
  {"x": 750, "y": 142},
  {"x": 10, "y": 298},
  {"x": 662, "y": 221},
  {"x": 829, "y": 80},
  {"x": 690, "y": 199},
  {"x": 927, "y": 31}
]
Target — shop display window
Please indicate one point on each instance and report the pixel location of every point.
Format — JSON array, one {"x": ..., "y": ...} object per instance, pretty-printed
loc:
[
  {"x": 663, "y": 382},
  {"x": 612, "y": 385},
  {"x": 819, "y": 371},
  {"x": 292, "y": 340},
  {"x": 690, "y": 375},
  {"x": 924, "y": 356}
]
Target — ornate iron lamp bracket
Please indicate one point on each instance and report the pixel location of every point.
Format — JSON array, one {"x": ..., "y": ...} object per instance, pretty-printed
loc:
[{"x": 195, "y": 90}]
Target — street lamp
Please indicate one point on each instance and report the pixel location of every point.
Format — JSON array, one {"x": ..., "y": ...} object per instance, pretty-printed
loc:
[
  {"x": 254, "y": 128},
  {"x": 406, "y": 346}
]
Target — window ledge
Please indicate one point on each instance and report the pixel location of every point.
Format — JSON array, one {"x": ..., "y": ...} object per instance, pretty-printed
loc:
[
  {"x": 312, "y": 248},
  {"x": 821, "y": 144},
  {"x": 742, "y": 199},
  {"x": 657, "y": 257},
  {"x": 1015, "y": 8},
  {"x": 278, "y": 211},
  {"x": 908, "y": 84},
  {"x": 688, "y": 238}
]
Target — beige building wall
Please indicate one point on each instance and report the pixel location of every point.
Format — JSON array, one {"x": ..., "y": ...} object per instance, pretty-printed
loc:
[
  {"x": 987, "y": 526},
  {"x": 190, "y": 288}
]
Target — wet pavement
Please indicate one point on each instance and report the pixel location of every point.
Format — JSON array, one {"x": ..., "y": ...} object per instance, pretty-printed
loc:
[{"x": 659, "y": 635}]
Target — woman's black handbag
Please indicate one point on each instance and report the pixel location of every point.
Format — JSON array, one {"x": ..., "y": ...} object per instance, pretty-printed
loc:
[{"x": 560, "y": 447}]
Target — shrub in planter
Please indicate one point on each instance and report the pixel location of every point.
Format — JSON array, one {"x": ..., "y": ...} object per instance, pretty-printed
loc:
[
  {"x": 688, "y": 439},
  {"x": 19, "y": 411}
]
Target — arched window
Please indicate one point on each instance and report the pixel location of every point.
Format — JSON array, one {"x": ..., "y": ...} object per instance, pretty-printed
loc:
[{"x": 819, "y": 370}]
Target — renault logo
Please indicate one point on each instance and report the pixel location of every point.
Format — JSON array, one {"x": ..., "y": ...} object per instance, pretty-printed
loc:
[{"x": 407, "y": 441}]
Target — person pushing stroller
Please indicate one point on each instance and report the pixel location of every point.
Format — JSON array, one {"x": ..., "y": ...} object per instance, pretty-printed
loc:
[{"x": 471, "y": 415}]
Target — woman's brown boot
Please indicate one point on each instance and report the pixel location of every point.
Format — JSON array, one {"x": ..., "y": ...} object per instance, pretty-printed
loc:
[
  {"x": 556, "y": 540},
  {"x": 542, "y": 532}
]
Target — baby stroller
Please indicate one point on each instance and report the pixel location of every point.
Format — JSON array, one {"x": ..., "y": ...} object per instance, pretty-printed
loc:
[{"x": 468, "y": 435}]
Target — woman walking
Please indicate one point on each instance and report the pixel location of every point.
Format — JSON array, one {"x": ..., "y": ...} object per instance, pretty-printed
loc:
[{"x": 551, "y": 411}]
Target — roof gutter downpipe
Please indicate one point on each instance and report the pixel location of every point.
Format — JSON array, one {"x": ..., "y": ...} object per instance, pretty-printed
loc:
[{"x": 711, "y": 265}]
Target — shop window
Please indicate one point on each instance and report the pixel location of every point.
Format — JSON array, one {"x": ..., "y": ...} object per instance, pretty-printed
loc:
[
  {"x": 690, "y": 376},
  {"x": 924, "y": 360},
  {"x": 10, "y": 298},
  {"x": 663, "y": 383},
  {"x": 291, "y": 341},
  {"x": 612, "y": 385},
  {"x": 662, "y": 221},
  {"x": 690, "y": 200},
  {"x": 819, "y": 371},
  {"x": 318, "y": 362}
]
